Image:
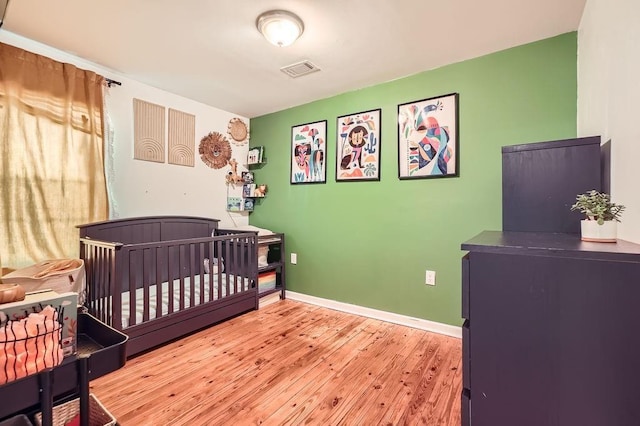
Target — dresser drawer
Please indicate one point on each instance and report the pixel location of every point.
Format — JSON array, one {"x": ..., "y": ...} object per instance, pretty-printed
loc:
[{"x": 465, "y": 286}]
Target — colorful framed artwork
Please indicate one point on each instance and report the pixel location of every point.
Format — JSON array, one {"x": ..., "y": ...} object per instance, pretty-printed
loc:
[
  {"x": 309, "y": 152},
  {"x": 428, "y": 138},
  {"x": 358, "y": 146}
]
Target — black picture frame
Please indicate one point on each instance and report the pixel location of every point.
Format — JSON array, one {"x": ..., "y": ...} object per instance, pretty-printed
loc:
[
  {"x": 309, "y": 153},
  {"x": 428, "y": 138},
  {"x": 358, "y": 146}
]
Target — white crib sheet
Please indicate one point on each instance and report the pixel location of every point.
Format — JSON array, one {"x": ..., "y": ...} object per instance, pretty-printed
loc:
[{"x": 139, "y": 311}]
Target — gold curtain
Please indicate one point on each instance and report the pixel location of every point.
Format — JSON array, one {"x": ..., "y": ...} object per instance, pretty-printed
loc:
[{"x": 51, "y": 156}]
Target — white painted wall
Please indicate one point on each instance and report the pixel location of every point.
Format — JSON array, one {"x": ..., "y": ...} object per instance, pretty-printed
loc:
[
  {"x": 609, "y": 96},
  {"x": 142, "y": 188}
]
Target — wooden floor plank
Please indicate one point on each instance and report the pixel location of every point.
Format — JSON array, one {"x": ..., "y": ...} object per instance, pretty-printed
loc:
[
  {"x": 389, "y": 392},
  {"x": 427, "y": 388},
  {"x": 311, "y": 395},
  {"x": 225, "y": 371},
  {"x": 291, "y": 363},
  {"x": 158, "y": 369},
  {"x": 310, "y": 369},
  {"x": 348, "y": 388},
  {"x": 273, "y": 368}
]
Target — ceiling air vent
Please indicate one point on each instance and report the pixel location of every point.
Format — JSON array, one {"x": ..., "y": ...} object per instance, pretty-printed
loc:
[{"x": 299, "y": 69}]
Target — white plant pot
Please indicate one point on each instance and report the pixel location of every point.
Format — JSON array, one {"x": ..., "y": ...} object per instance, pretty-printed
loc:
[{"x": 605, "y": 233}]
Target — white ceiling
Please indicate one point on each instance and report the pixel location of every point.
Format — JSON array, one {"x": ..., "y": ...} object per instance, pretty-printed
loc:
[{"x": 210, "y": 50}]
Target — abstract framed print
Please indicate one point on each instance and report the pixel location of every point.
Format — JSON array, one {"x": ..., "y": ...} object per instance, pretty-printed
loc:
[{"x": 428, "y": 138}]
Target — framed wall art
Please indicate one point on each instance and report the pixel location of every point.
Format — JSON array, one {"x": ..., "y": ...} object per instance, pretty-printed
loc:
[
  {"x": 358, "y": 146},
  {"x": 309, "y": 152},
  {"x": 428, "y": 138}
]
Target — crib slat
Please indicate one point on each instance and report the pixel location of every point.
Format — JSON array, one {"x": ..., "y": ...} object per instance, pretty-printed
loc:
[
  {"x": 113, "y": 288},
  {"x": 102, "y": 278},
  {"x": 98, "y": 276},
  {"x": 236, "y": 257},
  {"x": 145, "y": 286},
  {"x": 202, "y": 275},
  {"x": 243, "y": 267},
  {"x": 87, "y": 253},
  {"x": 228, "y": 266},
  {"x": 159, "y": 283},
  {"x": 105, "y": 282},
  {"x": 180, "y": 269},
  {"x": 101, "y": 284},
  {"x": 219, "y": 273},
  {"x": 170, "y": 278},
  {"x": 252, "y": 274},
  {"x": 238, "y": 268},
  {"x": 132, "y": 287},
  {"x": 210, "y": 275},
  {"x": 247, "y": 267},
  {"x": 192, "y": 282}
]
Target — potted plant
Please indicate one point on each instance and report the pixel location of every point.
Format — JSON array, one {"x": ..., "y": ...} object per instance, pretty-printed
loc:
[{"x": 601, "y": 214}]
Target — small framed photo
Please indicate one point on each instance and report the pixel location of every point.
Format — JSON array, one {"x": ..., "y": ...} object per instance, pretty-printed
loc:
[
  {"x": 234, "y": 204},
  {"x": 255, "y": 155},
  {"x": 247, "y": 204},
  {"x": 358, "y": 146},
  {"x": 248, "y": 189},
  {"x": 247, "y": 177},
  {"x": 309, "y": 152},
  {"x": 428, "y": 138}
]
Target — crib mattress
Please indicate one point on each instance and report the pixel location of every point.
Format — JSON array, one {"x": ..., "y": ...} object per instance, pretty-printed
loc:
[{"x": 175, "y": 296}]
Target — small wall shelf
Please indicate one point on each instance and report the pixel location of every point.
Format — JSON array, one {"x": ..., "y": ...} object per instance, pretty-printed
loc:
[
  {"x": 251, "y": 193},
  {"x": 255, "y": 156},
  {"x": 246, "y": 199}
]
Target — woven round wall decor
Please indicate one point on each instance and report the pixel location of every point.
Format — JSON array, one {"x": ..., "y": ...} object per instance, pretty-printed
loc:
[
  {"x": 215, "y": 150},
  {"x": 238, "y": 131}
]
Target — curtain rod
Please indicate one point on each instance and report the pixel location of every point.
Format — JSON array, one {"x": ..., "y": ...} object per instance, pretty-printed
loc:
[{"x": 111, "y": 82}]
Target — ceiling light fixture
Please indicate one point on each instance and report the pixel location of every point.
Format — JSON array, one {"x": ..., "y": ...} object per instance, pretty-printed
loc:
[{"x": 280, "y": 27}]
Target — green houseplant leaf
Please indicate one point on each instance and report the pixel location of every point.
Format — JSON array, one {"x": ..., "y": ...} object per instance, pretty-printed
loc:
[{"x": 598, "y": 206}]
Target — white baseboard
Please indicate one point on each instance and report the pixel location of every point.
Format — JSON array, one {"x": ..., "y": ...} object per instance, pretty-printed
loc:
[{"x": 422, "y": 324}]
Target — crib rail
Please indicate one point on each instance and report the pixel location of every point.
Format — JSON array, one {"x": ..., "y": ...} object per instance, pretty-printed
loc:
[{"x": 120, "y": 274}]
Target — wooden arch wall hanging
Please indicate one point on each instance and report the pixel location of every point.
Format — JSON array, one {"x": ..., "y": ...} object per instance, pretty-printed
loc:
[
  {"x": 182, "y": 138},
  {"x": 148, "y": 138}
]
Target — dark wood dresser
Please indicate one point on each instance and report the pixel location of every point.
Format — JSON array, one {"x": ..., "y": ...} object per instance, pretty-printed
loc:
[{"x": 550, "y": 336}]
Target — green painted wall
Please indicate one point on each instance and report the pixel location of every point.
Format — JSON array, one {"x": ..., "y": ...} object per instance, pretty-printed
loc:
[{"x": 369, "y": 243}]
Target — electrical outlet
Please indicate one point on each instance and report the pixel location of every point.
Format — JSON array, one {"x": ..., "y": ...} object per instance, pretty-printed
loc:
[
  {"x": 294, "y": 258},
  {"x": 430, "y": 277}
]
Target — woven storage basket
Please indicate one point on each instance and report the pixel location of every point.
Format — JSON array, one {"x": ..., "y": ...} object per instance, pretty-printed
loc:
[
  {"x": 31, "y": 345},
  {"x": 63, "y": 413}
]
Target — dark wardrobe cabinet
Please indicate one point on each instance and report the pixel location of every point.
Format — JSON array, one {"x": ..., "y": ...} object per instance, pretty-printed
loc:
[
  {"x": 551, "y": 331},
  {"x": 540, "y": 182}
]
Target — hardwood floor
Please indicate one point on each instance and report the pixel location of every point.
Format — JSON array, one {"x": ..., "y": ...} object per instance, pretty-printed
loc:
[{"x": 291, "y": 363}]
